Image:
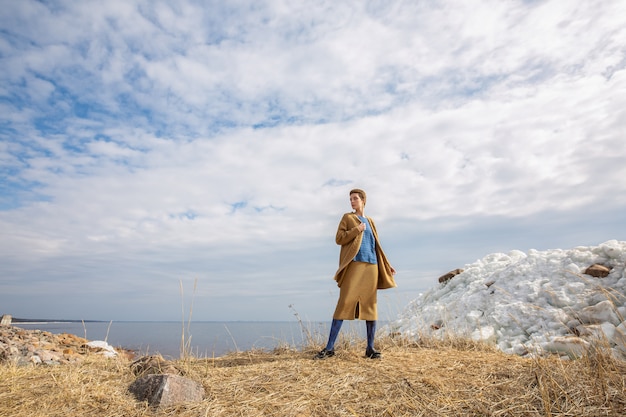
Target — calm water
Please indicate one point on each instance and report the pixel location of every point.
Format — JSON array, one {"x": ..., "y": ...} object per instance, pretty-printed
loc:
[{"x": 205, "y": 339}]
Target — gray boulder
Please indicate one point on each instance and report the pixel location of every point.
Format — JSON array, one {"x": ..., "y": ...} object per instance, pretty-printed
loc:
[{"x": 165, "y": 390}]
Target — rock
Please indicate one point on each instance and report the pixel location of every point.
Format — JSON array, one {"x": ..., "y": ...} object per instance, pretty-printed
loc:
[
  {"x": 166, "y": 390},
  {"x": 153, "y": 364},
  {"x": 4, "y": 352},
  {"x": 6, "y": 320},
  {"x": 49, "y": 357},
  {"x": 447, "y": 277},
  {"x": 33, "y": 347},
  {"x": 598, "y": 271},
  {"x": 71, "y": 339}
]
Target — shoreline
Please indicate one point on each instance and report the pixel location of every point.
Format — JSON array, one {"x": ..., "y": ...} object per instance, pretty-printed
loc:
[{"x": 204, "y": 339}]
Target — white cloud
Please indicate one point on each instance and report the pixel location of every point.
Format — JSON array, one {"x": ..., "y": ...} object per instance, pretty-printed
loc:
[{"x": 144, "y": 142}]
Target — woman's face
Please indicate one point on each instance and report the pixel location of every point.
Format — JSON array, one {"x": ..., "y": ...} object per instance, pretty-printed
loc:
[{"x": 356, "y": 202}]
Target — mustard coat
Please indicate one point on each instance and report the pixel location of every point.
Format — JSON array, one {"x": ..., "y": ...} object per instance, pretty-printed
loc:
[{"x": 349, "y": 237}]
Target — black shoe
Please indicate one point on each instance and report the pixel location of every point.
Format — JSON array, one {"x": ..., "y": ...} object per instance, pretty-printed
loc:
[
  {"x": 323, "y": 354},
  {"x": 372, "y": 354}
]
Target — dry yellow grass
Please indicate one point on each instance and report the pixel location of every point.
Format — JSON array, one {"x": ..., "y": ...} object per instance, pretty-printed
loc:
[{"x": 443, "y": 379}]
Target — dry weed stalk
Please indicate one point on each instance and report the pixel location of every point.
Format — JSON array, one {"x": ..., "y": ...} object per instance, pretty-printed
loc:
[{"x": 185, "y": 338}]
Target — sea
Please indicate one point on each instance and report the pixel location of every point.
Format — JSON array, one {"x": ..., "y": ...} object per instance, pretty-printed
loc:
[{"x": 199, "y": 339}]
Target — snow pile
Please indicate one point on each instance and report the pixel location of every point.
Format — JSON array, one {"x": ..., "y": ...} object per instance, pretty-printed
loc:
[
  {"x": 103, "y": 348},
  {"x": 528, "y": 303}
]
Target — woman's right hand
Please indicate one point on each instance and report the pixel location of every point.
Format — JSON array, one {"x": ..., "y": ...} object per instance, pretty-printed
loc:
[{"x": 361, "y": 227}]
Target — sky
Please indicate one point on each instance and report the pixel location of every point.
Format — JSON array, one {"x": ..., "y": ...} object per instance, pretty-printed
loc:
[{"x": 192, "y": 159}]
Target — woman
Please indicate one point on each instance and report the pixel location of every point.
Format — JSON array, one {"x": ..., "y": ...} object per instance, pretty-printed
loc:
[{"x": 363, "y": 269}]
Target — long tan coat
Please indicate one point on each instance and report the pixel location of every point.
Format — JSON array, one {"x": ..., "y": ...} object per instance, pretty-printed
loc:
[{"x": 349, "y": 237}]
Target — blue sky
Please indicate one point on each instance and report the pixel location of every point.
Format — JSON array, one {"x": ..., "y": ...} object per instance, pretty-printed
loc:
[{"x": 146, "y": 145}]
